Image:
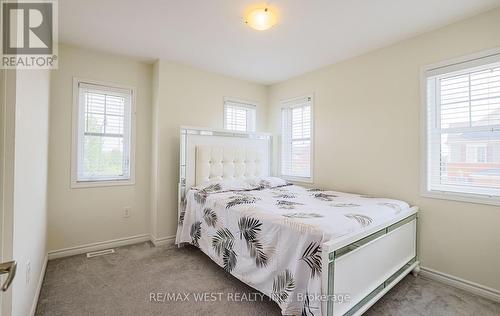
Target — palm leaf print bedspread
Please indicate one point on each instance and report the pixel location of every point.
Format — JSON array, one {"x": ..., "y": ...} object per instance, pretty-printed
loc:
[{"x": 270, "y": 236}]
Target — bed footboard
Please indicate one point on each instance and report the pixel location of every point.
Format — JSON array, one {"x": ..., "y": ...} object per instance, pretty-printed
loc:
[{"x": 359, "y": 272}]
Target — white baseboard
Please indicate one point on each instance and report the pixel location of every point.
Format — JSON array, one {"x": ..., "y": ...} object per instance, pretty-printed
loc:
[
  {"x": 71, "y": 251},
  {"x": 471, "y": 287},
  {"x": 163, "y": 241},
  {"x": 39, "y": 286}
]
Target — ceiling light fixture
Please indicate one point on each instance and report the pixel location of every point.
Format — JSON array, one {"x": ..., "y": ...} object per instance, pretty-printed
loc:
[{"x": 261, "y": 19}]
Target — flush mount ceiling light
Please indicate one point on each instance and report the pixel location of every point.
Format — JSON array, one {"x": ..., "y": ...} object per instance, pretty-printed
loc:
[{"x": 261, "y": 18}]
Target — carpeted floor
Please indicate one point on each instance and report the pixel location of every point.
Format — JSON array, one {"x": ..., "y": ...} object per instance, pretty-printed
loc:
[{"x": 127, "y": 282}]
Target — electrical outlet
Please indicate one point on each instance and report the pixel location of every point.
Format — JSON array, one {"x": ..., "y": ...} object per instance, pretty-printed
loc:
[
  {"x": 126, "y": 212},
  {"x": 28, "y": 272}
]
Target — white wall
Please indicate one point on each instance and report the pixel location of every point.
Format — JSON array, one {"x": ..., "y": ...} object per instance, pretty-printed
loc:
[
  {"x": 30, "y": 184},
  {"x": 367, "y": 140},
  {"x": 7, "y": 159},
  {"x": 89, "y": 215},
  {"x": 187, "y": 96}
]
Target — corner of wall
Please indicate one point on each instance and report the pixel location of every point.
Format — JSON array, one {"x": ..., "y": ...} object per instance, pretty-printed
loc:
[{"x": 154, "y": 151}]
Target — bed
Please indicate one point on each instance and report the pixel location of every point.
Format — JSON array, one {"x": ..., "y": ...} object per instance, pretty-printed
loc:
[{"x": 312, "y": 251}]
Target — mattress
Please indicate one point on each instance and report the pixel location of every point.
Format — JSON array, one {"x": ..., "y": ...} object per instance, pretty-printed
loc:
[{"x": 269, "y": 236}]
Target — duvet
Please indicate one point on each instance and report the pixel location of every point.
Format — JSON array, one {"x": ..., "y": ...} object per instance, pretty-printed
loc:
[{"x": 269, "y": 234}]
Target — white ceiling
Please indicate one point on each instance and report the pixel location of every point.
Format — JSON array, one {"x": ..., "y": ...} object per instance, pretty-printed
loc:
[{"x": 210, "y": 34}]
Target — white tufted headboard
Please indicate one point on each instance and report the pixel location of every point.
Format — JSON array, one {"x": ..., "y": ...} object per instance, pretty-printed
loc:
[
  {"x": 229, "y": 163},
  {"x": 208, "y": 154}
]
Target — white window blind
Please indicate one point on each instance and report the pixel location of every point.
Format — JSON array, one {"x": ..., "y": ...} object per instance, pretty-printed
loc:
[
  {"x": 239, "y": 116},
  {"x": 296, "y": 145},
  {"x": 463, "y": 129},
  {"x": 104, "y": 133}
]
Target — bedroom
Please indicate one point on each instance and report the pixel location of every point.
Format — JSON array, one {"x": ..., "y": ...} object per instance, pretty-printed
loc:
[{"x": 148, "y": 106}]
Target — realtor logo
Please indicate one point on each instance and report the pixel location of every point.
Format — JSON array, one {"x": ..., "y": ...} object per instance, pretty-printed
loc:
[{"x": 29, "y": 34}]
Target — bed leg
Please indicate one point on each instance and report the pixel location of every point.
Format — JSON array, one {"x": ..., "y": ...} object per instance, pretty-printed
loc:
[{"x": 416, "y": 270}]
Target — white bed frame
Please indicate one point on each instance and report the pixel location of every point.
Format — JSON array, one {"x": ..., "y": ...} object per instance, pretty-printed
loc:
[{"x": 361, "y": 267}]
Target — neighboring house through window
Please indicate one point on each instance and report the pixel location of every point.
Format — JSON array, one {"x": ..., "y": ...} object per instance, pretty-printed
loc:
[{"x": 463, "y": 130}]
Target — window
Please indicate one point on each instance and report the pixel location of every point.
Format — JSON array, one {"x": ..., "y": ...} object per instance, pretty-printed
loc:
[
  {"x": 103, "y": 147},
  {"x": 463, "y": 130},
  {"x": 296, "y": 144},
  {"x": 239, "y": 115}
]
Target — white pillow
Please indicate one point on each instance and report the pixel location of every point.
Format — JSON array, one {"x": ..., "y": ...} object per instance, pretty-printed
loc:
[
  {"x": 223, "y": 186},
  {"x": 256, "y": 183},
  {"x": 266, "y": 182}
]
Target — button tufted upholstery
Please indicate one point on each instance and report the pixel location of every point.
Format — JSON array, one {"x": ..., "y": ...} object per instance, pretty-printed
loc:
[{"x": 216, "y": 163}]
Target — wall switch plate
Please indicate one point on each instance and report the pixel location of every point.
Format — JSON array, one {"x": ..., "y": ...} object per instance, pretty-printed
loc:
[
  {"x": 28, "y": 272},
  {"x": 126, "y": 212}
]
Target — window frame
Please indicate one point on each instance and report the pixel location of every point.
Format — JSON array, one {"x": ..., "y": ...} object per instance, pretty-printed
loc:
[
  {"x": 287, "y": 104},
  {"x": 74, "y": 182},
  {"x": 455, "y": 65},
  {"x": 244, "y": 104}
]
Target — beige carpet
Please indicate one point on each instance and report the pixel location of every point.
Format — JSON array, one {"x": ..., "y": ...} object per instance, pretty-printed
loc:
[{"x": 123, "y": 284}]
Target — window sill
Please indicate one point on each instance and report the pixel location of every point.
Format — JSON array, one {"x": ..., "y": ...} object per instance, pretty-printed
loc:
[
  {"x": 462, "y": 197},
  {"x": 298, "y": 179},
  {"x": 101, "y": 183}
]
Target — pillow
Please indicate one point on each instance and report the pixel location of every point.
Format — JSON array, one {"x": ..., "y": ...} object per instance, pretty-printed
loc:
[
  {"x": 267, "y": 182},
  {"x": 223, "y": 186},
  {"x": 257, "y": 183}
]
